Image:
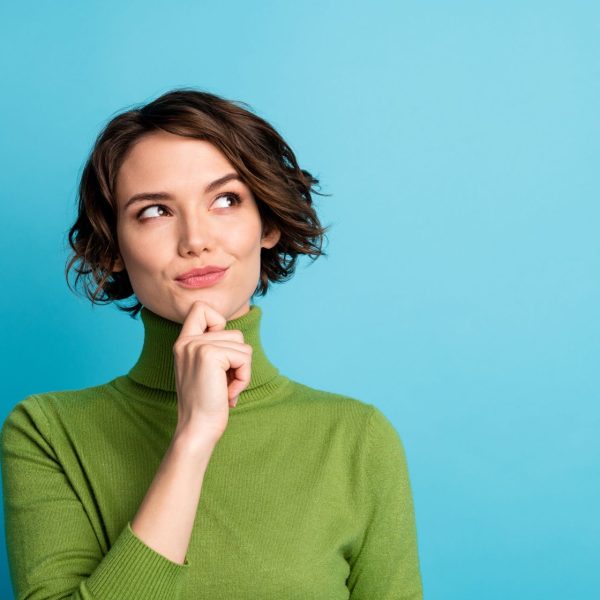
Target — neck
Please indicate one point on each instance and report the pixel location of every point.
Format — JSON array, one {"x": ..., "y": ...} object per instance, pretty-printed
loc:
[{"x": 155, "y": 367}]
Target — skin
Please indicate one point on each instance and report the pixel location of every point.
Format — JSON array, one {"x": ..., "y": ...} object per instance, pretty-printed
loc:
[{"x": 193, "y": 230}]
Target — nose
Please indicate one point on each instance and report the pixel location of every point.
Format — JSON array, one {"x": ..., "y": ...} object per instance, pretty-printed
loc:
[{"x": 194, "y": 234}]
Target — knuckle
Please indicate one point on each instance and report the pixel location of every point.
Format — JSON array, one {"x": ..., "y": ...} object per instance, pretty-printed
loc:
[{"x": 205, "y": 350}]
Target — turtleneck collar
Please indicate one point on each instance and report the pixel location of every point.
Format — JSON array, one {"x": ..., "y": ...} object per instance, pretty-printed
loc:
[{"x": 155, "y": 367}]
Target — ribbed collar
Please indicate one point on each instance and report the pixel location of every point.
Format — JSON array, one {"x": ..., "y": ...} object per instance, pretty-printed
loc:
[{"x": 155, "y": 367}]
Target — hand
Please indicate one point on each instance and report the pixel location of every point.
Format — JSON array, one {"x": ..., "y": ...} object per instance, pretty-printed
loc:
[{"x": 212, "y": 367}]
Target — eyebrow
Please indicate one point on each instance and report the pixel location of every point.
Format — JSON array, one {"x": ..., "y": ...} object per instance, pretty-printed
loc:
[{"x": 165, "y": 196}]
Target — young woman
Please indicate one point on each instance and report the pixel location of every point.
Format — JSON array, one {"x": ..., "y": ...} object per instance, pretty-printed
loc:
[{"x": 203, "y": 472}]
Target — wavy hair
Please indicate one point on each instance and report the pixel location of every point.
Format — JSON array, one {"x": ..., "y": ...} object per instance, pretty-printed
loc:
[{"x": 264, "y": 161}]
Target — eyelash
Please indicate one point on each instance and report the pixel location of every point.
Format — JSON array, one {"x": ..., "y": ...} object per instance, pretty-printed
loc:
[{"x": 236, "y": 197}]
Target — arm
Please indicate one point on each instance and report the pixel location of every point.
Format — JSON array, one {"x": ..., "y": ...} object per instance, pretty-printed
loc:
[
  {"x": 53, "y": 550},
  {"x": 386, "y": 565},
  {"x": 166, "y": 516}
]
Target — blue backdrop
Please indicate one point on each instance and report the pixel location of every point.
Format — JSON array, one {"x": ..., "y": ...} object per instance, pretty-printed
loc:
[{"x": 460, "y": 294}]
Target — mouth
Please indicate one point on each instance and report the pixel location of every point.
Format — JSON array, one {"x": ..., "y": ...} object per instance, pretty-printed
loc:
[
  {"x": 201, "y": 281},
  {"x": 200, "y": 272}
]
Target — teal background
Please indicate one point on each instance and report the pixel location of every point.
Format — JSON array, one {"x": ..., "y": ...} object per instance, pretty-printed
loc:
[{"x": 460, "y": 294}]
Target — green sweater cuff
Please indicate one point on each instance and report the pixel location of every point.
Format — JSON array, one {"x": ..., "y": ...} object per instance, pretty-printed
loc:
[{"x": 131, "y": 569}]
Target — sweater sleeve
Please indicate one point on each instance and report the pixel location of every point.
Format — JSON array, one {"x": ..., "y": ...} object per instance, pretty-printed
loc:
[
  {"x": 53, "y": 550},
  {"x": 386, "y": 565}
]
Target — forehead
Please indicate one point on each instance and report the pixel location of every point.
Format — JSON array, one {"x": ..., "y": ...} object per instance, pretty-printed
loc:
[{"x": 161, "y": 159}]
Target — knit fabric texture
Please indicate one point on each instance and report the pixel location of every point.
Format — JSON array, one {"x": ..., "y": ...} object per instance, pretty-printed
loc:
[{"x": 306, "y": 496}]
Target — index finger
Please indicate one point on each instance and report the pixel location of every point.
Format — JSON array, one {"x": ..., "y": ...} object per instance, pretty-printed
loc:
[{"x": 201, "y": 318}]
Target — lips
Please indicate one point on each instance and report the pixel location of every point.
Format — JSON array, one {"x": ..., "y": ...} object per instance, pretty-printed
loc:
[{"x": 200, "y": 272}]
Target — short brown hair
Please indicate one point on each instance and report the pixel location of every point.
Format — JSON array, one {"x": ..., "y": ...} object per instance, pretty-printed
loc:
[{"x": 264, "y": 161}]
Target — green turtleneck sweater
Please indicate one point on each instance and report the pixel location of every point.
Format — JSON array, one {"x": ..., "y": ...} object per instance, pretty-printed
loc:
[{"x": 306, "y": 495}]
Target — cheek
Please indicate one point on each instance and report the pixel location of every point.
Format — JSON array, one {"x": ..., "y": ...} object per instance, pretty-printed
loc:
[
  {"x": 140, "y": 250},
  {"x": 242, "y": 240}
]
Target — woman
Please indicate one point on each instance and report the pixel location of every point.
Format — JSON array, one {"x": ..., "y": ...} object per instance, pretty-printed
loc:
[{"x": 203, "y": 472}]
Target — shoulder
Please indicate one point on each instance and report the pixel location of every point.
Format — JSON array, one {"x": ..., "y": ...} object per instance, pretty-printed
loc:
[
  {"x": 39, "y": 409},
  {"x": 338, "y": 406},
  {"x": 376, "y": 429},
  {"x": 317, "y": 396}
]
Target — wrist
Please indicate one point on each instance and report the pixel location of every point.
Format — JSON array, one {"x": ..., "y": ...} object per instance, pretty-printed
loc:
[{"x": 193, "y": 439}]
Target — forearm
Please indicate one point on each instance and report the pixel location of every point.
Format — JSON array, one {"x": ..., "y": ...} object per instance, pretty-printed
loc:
[{"x": 165, "y": 519}]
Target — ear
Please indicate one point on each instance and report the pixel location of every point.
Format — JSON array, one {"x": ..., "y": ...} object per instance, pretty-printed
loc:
[
  {"x": 270, "y": 239},
  {"x": 118, "y": 266}
]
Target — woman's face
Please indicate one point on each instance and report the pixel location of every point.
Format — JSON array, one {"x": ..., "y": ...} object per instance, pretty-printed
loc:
[{"x": 193, "y": 228}]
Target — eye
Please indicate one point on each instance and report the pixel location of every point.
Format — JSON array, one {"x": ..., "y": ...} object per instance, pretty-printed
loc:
[
  {"x": 235, "y": 197},
  {"x": 161, "y": 206}
]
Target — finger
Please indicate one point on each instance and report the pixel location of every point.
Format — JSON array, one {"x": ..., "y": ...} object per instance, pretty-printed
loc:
[
  {"x": 201, "y": 318},
  {"x": 192, "y": 345},
  {"x": 241, "y": 370},
  {"x": 232, "y": 335}
]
